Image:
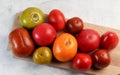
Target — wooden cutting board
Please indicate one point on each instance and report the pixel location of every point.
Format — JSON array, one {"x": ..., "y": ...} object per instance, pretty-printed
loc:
[{"x": 112, "y": 69}]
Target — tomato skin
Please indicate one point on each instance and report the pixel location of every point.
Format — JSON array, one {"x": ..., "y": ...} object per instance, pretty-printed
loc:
[
  {"x": 21, "y": 42},
  {"x": 44, "y": 34},
  {"x": 109, "y": 40},
  {"x": 88, "y": 40},
  {"x": 56, "y": 19},
  {"x": 65, "y": 47},
  {"x": 101, "y": 59},
  {"x": 82, "y": 62}
]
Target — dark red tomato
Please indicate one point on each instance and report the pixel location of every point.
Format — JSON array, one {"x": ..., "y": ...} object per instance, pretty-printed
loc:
[
  {"x": 44, "y": 34},
  {"x": 109, "y": 40},
  {"x": 82, "y": 62},
  {"x": 21, "y": 42},
  {"x": 88, "y": 40},
  {"x": 74, "y": 25},
  {"x": 56, "y": 19},
  {"x": 101, "y": 59}
]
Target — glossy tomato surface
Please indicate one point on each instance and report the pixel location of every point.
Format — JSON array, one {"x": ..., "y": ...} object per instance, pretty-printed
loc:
[
  {"x": 82, "y": 62},
  {"x": 109, "y": 40},
  {"x": 44, "y": 34},
  {"x": 74, "y": 25},
  {"x": 65, "y": 47},
  {"x": 42, "y": 55},
  {"x": 101, "y": 59},
  {"x": 56, "y": 19},
  {"x": 31, "y": 17},
  {"x": 21, "y": 42},
  {"x": 88, "y": 40}
]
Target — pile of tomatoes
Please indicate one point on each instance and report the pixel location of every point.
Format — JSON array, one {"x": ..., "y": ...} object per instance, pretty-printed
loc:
[{"x": 52, "y": 36}]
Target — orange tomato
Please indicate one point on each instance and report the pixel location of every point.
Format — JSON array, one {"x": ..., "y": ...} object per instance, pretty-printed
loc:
[{"x": 65, "y": 47}]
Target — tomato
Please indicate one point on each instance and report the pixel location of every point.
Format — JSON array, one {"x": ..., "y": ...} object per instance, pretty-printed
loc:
[
  {"x": 44, "y": 34},
  {"x": 21, "y": 42},
  {"x": 82, "y": 62},
  {"x": 88, "y": 40},
  {"x": 42, "y": 55},
  {"x": 31, "y": 17},
  {"x": 74, "y": 25},
  {"x": 109, "y": 40},
  {"x": 56, "y": 19},
  {"x": 101, "y": 59},
  {"x": 65, "y": 47}
]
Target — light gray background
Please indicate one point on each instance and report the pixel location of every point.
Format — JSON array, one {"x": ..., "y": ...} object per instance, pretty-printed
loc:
[{"x": 101, "y": 12}]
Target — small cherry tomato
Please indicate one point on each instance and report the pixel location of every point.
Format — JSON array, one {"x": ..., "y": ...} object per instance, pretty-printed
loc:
[
  {"x": 109, "y": 40},
  {"x": 101, "y": 59},
  {"x": 42, "y": 55},
  {"x": 74, "y": 25},
  {"x": 56, "y": 19},
  {"x": 31, "y": 17},
  {"x": 82, "y": 62},
  {"x": 21, "y": 42}
]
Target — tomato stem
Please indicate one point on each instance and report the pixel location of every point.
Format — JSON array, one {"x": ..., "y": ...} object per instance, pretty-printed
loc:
[
  {"x": 34, "y": 17},
  {"x": 68, "y": 42}
]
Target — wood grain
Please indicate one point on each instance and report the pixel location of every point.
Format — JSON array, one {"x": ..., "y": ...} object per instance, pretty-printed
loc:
[{"x": 112, "y": 69}]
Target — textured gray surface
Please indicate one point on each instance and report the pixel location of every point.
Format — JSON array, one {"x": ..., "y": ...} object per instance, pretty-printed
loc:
[{"x": 101, "y": 12}]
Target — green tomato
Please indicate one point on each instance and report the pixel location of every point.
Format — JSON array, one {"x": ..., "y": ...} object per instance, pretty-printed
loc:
[
  {"x": 31, "y": 17},
  {"x": 42, "y": 55}
]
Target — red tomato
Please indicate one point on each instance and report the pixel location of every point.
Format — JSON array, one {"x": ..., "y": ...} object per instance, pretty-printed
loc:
[
  {"x": 56, "y": 19},
  {"x": 74, "y": 25},
  {"x": 21, "y": 42},
  {"x": 88, "y": 40},
  {"x": 101, "y": 59},
  {"x": 44, "y": 34},
  {"x": 82, "y": 62},
  {"x": 109, "y": 40}
]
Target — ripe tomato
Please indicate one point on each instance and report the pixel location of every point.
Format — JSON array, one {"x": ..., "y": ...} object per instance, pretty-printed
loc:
[
  {"x": 109, "y": 40},
  {"x": 65, "y": 47},
  {"x": 31, "y": 17},
  {"x": 101, "y": 59},
  {"x": 56, "y": 19},
  {"x": 82, "y": 62},
  {"x": 88, "y": 40},
  {"x": 74, "y": 25},
  {"x": 44, "y": 34},
  {"x": 21, "y": 42}
]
